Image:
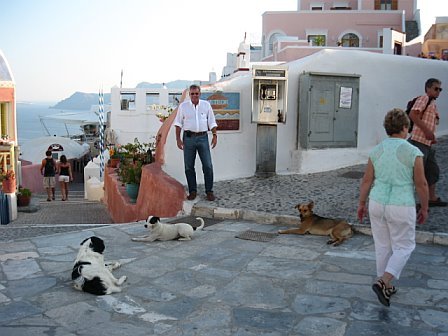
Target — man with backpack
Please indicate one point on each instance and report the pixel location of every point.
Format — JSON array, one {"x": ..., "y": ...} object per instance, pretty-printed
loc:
[
  {"x": 48, "y": 170},
  {"x": 425, "y": 117}
]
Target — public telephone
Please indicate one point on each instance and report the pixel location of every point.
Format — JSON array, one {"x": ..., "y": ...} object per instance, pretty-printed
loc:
[
  {"x": 268, "y": 91},
  {"x": 269, "y": 94}
]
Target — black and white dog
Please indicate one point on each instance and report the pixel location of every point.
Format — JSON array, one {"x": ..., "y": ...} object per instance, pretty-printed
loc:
[
  {"x": 163, "y": 231},
  {"x": 90, "y": 274}
]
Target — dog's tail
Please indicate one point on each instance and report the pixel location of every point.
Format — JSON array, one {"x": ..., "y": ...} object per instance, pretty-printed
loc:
[{"x": 202, "y": 224}]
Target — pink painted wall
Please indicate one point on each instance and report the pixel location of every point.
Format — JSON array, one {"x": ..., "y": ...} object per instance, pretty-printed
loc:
[
  {"x": 306, "y": 4},
  {"x": 159, "y": 195},
  {"x": 335, "y": 23},
  {"x": 32, "y": 178},
  {"x": 7, "y": 95},
  {"x": 407, "y": 5}
]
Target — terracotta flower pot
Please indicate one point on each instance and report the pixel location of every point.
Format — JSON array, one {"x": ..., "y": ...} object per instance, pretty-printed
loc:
[
  {"x": 114, "y": 162},
  {"x": 9, "y": 186},
  {"x": 23, "y": 200}
]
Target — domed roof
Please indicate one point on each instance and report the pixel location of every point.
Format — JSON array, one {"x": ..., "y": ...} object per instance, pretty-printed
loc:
[{"x": 5, "y": 71}]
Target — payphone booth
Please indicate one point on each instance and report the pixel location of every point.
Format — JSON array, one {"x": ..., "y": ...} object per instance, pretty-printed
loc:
[{"x": 269, "y": 105}]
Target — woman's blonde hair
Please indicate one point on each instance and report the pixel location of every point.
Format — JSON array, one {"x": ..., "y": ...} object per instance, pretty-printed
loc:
[{"x": 395, "y": 120}]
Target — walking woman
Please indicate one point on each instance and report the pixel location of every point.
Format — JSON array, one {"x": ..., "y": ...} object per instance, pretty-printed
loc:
[
  {"x": 65, "y": 176},
  {"x": 394, "y": 170}
]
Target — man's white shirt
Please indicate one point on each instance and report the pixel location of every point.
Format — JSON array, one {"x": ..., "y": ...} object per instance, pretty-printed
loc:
[{"x": 197, "y": 118}]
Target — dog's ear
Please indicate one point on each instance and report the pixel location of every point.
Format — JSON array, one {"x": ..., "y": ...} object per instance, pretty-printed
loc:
[
  {"x": 154, "y": 220},
  {"x": 297, "y": 206},
  {"x": 84, "y": 241},
  {"x": 97, "y": 244},
  {"x": 311, "y": 205}
]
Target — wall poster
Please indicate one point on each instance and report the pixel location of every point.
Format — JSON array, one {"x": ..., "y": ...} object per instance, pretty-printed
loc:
[
  {"x": 226, "y": 106},
  {"x": 345, "y": 97}
]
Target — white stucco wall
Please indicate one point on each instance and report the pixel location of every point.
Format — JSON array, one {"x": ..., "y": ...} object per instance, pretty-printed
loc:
[
  {"x": 386, "y": 81},
  {"x": 140, "y": 122}
]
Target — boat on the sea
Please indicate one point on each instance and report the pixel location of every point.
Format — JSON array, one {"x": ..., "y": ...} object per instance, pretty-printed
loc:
[{"x": 88, "y": 131}]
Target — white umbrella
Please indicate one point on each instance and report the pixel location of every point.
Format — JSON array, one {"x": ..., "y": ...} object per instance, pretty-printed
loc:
[{"x": 34, "y": 150}]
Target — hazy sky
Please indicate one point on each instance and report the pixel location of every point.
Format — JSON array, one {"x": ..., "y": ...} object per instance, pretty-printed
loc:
[{"x": 57, "y": 47}]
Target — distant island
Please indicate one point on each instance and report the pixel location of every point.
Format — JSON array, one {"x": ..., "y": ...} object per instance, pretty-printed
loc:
[{"x": 83, "y": 100}]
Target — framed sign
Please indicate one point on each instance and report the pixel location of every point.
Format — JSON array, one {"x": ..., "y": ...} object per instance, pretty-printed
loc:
[{"x": 226, "y": 106}]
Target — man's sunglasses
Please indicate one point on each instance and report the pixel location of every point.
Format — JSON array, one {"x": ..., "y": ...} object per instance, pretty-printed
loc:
[
  {"x": 194, "y": 93},
  {"x": 438, "y": 89}
]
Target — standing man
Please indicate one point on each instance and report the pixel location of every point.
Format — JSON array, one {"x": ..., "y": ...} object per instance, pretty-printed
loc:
[
  {"x": 196, "y": 117},
  {"x": 423, "y": 135},
  {"x": 48, "y": 170}
]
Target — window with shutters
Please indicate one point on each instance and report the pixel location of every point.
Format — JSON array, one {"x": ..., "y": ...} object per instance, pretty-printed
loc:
[
  {"x": 4, "y": 121},
  {"x": 386, "y": 4}
]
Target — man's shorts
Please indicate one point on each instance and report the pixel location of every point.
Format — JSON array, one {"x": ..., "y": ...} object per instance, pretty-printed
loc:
[
  {"x": 64, "y": 178},
  {"x": 49, "y": 181},
  {"x": 432, "y": 170}
]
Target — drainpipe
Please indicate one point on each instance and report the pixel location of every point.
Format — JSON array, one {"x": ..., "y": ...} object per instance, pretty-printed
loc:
[
  {"x": 403, "y": 29},
  {"x": 403, "y": 21}
]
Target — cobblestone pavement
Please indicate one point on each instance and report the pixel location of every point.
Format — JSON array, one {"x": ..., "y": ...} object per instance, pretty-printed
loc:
[
  {"x": 335, "y": 193},
  {"x": 219, "y": 285},
  {"x": 43, "y": 218}
]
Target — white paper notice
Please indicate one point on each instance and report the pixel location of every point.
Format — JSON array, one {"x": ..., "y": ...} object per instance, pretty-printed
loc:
[{"x": 345, "y": 98}]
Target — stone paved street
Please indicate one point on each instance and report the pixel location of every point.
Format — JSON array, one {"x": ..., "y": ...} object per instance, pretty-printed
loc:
[
  {"x": 335, "y": 193},
  {"x": 217, "y": 284}
]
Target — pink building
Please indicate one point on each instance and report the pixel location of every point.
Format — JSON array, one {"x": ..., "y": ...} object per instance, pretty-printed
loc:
[
  {"x": 382, "y": 26},
  {"x": 8, "y": 124}
]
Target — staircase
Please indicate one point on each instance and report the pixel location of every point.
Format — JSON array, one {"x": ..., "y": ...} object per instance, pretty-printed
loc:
[{"x": 76, "y": 210}]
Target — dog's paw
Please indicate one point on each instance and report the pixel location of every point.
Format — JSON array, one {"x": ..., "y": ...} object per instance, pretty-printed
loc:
[
  {"x": 111, "y": 290},
  {"x": 115, "y": 265},
  {"x": 122, "y": 280}
]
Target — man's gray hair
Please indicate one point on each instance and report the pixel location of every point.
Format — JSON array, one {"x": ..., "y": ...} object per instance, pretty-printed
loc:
[{"x": 195, "y": 87}]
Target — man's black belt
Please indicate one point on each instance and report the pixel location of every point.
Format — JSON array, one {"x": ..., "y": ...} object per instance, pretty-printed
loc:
[{"x": 194, "y": 134}]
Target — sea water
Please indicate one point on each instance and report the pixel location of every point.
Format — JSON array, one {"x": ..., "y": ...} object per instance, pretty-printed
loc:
[{"x": 30, "y": 127}]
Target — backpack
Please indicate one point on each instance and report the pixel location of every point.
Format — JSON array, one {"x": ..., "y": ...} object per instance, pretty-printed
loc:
[
  {"x": 409, "y": 107},
  {"x": 49, "y": 169}
]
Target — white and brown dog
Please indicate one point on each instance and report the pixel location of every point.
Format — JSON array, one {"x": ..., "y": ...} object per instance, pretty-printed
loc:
[
  {"x": 163, "y": 231},
  {"x": 91, "y": 274},
  {"x": 338, "y": 229}
]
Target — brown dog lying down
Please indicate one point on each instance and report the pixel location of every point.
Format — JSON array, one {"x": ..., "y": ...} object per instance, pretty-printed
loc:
[{"x": 338, "y": 229}]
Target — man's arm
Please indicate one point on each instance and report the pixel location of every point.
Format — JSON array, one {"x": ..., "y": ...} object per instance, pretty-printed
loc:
[
  {"x": 179, "y": 142},
  {"x": 214, "y": 137},
  {"x": 42, "y": 166}
]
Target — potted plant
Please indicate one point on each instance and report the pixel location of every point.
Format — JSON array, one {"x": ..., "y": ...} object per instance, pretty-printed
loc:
[
  {"x": 130, "y": 174},
  {"x": 163, "y": 112},
  {"x": 8, "y": 179},
  {"x": 133, "y": 157},
  {"x": 23, "y": 196},
  {"x": 114, "y": 157},
  {"x": 137, "y": 151}
]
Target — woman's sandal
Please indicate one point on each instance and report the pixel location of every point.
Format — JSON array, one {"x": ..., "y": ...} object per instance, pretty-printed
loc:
[
  {"x": 383, "y": 293},
  {"x": 392, "y": 290}
]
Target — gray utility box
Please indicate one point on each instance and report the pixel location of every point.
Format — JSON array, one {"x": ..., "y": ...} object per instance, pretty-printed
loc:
[{"x": 328, "y": 110}]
